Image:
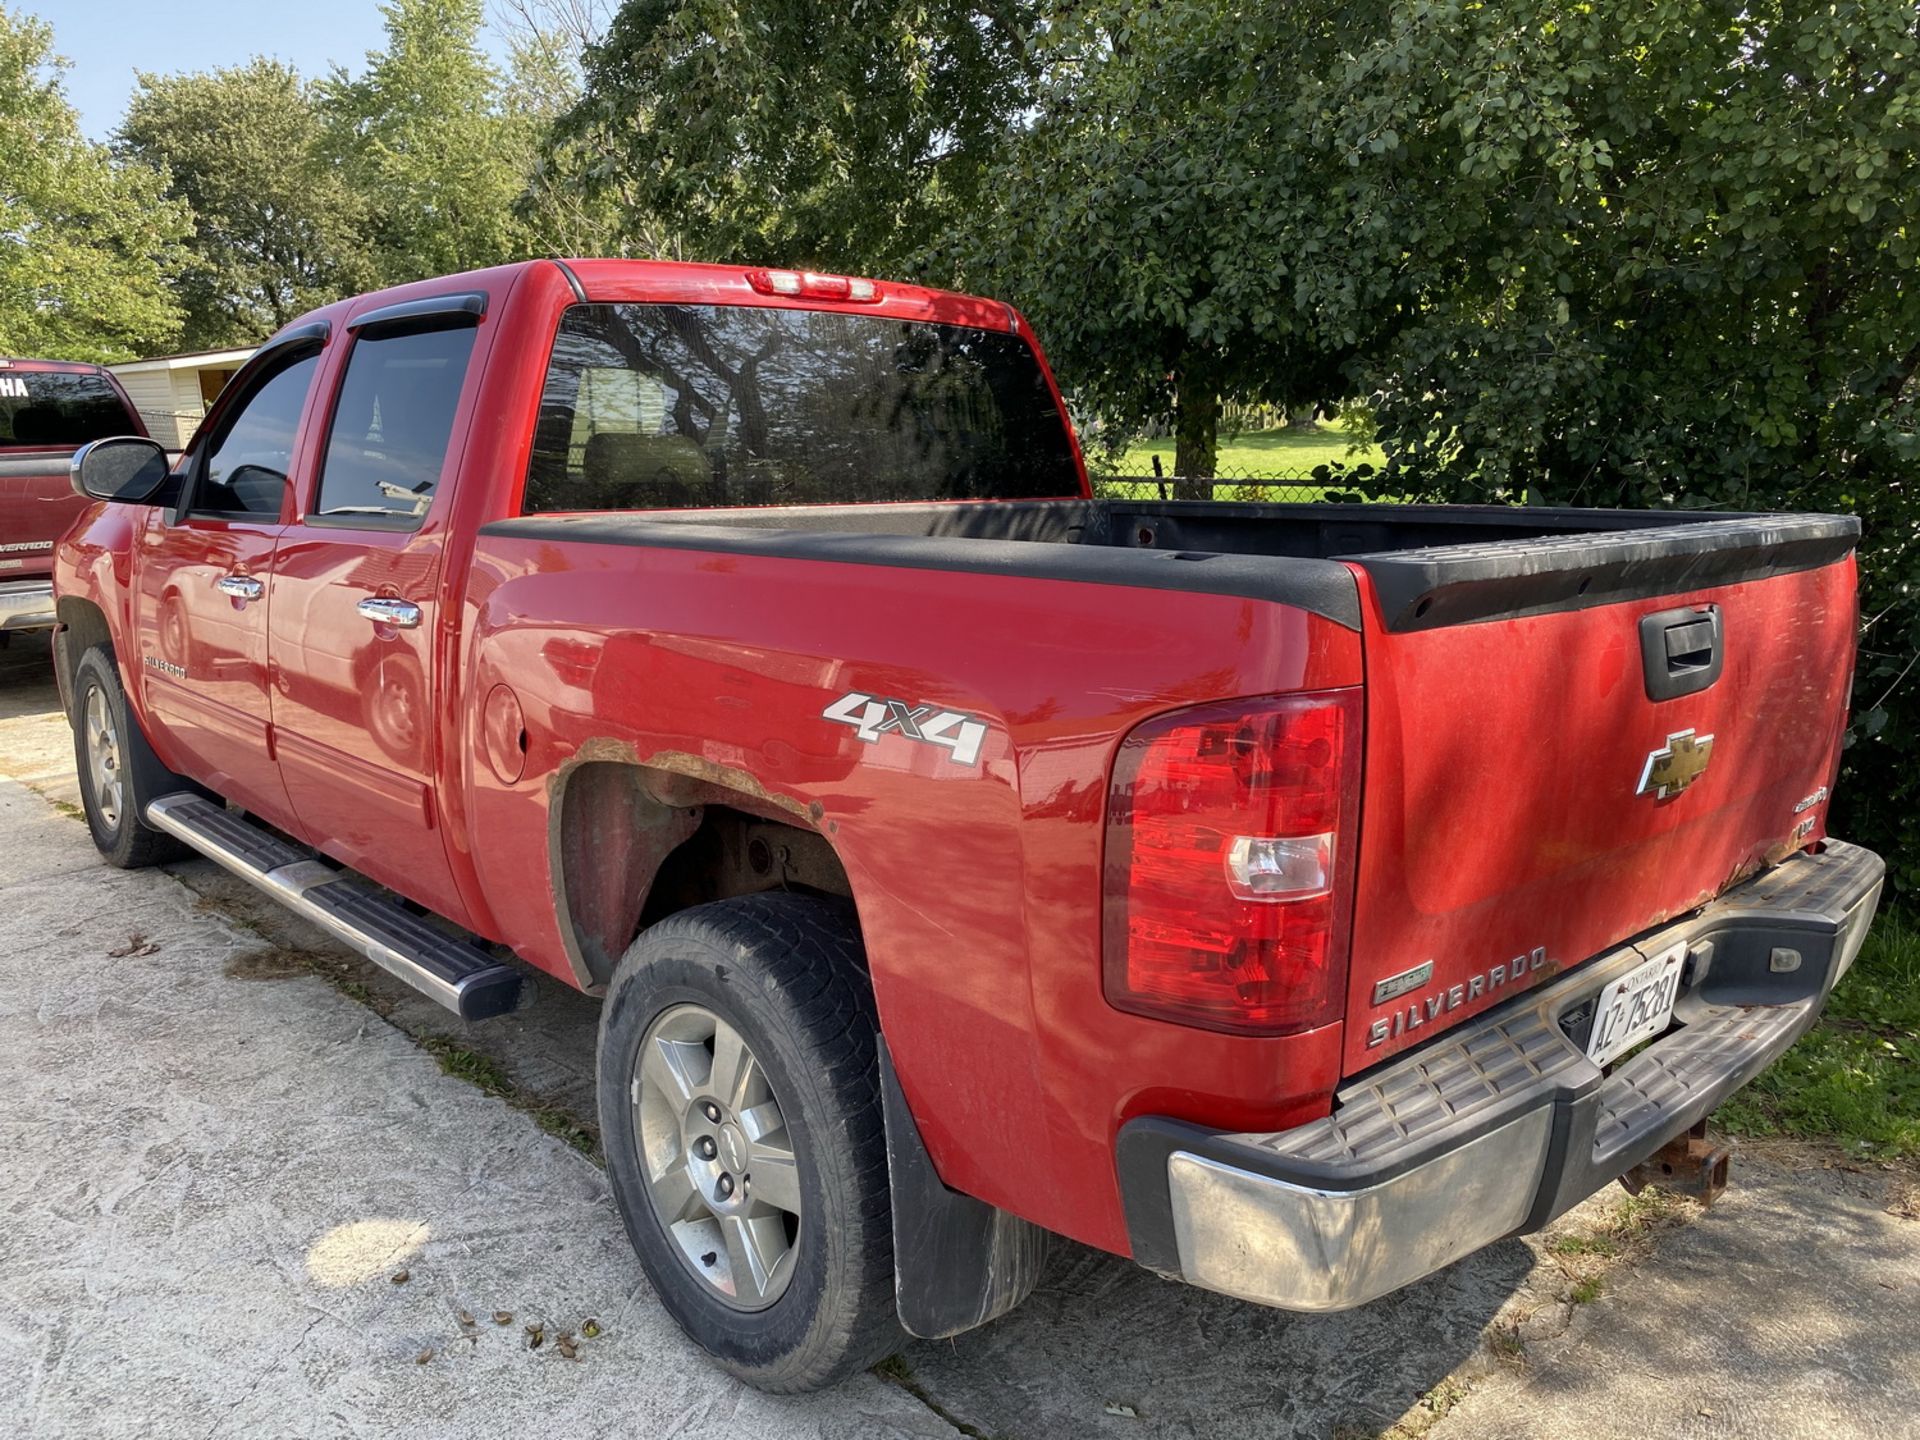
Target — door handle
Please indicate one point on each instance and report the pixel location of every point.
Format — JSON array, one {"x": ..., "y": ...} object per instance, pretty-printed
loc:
[
  {"x": 240, "y": 587},
  {"x": 382, "y": 610},
  {"x": 1682, "y": 651}
]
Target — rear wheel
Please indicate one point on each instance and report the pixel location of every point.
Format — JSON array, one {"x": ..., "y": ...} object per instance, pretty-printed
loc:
[
  {"x": 116, "y": 766},
  {"x": 740, "y": 1111}
]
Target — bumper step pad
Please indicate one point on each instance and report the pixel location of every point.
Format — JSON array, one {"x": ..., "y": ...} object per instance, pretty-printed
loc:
[{"x": 459, "y": 974}]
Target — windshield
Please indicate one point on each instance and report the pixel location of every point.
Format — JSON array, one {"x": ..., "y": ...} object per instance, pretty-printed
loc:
[
  {"x": 59, "y": 408},
  {"x": 670, "y": 406}
]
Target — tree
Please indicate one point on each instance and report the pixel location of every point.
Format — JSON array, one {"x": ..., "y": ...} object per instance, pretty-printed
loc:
[
  {"x": 563, "y": 212},
  {"x": 277, "y": 231},
  {"x": 784, "y": 132},
  {"x": 1162, "y": 226},
  {"x": 86, "y": 245},
  {"x": 1652, "y": 254},
  {"x": 423, "y": 137}
]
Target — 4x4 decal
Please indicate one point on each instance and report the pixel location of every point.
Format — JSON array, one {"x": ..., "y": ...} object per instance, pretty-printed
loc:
[{"x": 873, "y": 716}]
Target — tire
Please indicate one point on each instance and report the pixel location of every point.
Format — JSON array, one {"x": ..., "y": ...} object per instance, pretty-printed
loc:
[
  {"x": 786, "y": 974},
  {"x": 119, "y": 773}
]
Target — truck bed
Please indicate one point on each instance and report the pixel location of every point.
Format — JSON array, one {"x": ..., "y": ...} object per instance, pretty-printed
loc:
[
  {"x": 1520, "y": 683},
  {"x": 1431, "y": 565}
]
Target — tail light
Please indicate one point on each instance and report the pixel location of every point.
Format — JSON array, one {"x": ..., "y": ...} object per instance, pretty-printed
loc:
[
  {"x": 1229, "y": 863},
  {"x": 812, "y": 286}
]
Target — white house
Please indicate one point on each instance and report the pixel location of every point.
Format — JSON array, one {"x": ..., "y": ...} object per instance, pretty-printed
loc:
[{"x": 172, "y": 392}]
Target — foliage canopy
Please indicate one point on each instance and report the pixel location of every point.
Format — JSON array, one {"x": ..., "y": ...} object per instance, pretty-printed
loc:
[
  {"x": 86, "y": 245},
  {"x": 277, "y": 229}
]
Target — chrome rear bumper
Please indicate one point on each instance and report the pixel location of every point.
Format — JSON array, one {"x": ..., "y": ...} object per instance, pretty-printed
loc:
[
  {"x": 1501, "y": 1124},
  {"x": 26, "y": 605}
]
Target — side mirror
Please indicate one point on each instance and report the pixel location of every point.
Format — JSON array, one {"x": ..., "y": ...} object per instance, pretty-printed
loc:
[{"x": 127, "y": 468}]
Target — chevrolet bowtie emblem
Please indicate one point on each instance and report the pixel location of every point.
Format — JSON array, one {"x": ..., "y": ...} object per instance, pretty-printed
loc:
[{"x": 1675, "y": 765}]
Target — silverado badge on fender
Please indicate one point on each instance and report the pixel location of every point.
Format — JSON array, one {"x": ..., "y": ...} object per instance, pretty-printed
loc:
[{"x": 1675, "y": 765}]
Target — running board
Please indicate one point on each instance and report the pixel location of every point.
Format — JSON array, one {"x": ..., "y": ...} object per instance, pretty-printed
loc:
[{"x": 459, "y": 974}]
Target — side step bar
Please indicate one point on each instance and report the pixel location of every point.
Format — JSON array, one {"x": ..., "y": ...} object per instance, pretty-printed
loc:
[{"x": 459, "y": 974}]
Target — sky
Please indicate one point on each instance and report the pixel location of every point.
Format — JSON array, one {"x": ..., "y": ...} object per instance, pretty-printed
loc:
[{"x": 107, "y": 40}]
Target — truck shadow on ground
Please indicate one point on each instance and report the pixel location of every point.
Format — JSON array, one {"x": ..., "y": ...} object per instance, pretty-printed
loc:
[{"x": 1105, "y": 1347}]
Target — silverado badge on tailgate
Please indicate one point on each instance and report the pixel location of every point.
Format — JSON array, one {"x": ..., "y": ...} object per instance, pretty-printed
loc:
[{"x": 1675, "y": 765}]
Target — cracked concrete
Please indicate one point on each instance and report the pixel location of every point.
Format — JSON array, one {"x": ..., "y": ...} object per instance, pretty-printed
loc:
[{"x": 214, "y": 1162}]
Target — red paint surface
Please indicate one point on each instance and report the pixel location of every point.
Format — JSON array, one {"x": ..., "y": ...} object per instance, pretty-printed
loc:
[
  {"x": 36, "y": 508},
  {"x": 1497, "y": 807}
]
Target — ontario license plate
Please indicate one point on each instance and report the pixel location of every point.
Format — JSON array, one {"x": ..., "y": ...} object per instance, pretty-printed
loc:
[{"x": 1636, "y": 1007}]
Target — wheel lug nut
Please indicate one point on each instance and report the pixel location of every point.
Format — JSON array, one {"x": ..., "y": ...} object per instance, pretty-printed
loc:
[
  {"x": 711, "y": 1111},
  {"x": 705, "y": 1148},
  {"x": 724, "y": 1185}
]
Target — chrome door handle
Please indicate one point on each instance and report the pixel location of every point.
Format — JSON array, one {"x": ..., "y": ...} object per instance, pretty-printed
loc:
[
  {"x": 401, "y": 614},
  {"x": 240, "y": 587}
]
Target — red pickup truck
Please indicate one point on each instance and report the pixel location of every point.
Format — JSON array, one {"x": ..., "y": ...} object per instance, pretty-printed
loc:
[
  {"x": 1292, "y": 898},
  {"x": 48, "y": 410}
]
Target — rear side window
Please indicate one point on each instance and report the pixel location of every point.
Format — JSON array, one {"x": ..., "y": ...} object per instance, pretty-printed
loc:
[
  {"x": 671, "y": 406},
  {"x": 391, "y": 426},
  {"x": 59, "y": 409}
]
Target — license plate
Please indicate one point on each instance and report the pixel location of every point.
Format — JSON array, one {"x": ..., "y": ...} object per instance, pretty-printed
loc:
[{"x": 1636, "y": 1007}]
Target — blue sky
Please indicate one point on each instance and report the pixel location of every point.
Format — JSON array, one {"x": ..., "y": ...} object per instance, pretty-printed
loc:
[{"x": 107, "y": 40}]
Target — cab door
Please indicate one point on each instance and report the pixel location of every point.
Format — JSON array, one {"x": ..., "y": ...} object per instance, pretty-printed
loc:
[
  {"x": 203, "y": 585},
  {"x": 357, "y": 581}
]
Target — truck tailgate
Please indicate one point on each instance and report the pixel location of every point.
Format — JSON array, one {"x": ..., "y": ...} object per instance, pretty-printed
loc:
[{"x": 1547, "y": 776}]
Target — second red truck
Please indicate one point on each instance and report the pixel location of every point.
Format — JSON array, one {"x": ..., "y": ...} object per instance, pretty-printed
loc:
[{"x": 1293, "y": 898}]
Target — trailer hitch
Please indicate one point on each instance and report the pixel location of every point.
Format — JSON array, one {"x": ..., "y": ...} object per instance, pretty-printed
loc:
[{"x": 1686, "y": 1165}]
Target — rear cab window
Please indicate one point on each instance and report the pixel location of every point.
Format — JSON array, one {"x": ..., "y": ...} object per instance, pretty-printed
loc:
[
  {"x": 651, "y": 407},
  {"x": 59, "y": 409}
]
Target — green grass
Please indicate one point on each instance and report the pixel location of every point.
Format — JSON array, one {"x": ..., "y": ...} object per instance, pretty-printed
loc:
[
  {"x": 480, "y": 1071},
  {"x": 1855, "y": 1077},
  {"x": 1292, "y": 451}
]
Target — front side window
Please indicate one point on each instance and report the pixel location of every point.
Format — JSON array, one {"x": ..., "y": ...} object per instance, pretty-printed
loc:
[
  {"x": 248, "y": 460},
  {"x": 392, "y": 425},
  {"x": 670, "y": 406},
  {"x": 59, "y": 408}
]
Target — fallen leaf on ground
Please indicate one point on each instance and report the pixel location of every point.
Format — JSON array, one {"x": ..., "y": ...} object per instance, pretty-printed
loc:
[
  {"x": 400, "y": 1277},
  {"x": 464, "y": 1317},
  {"x": 591, "y": 1329},
  {"x": 423, "y": 1357},
  {"x": 503, "y": 1317},
  {"x": 137, "y": 945}
]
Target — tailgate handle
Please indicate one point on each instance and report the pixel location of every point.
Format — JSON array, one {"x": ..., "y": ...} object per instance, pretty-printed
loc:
[{"x": 1681, "y": 651}]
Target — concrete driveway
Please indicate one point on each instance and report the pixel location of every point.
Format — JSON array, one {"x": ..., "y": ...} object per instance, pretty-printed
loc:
[{"x": 227, "y": 1138}]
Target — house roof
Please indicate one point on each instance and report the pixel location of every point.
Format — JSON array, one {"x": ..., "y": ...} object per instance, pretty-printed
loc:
[{"x": 187, "y": 360}]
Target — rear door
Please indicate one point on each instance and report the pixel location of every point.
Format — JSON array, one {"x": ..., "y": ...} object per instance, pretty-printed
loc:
[
  {"x": 204, "y": 582},
  {"x": 1570, "y": 741},
  {"x": 355, "y": 610},
  {"x": 47, "y": 411}
]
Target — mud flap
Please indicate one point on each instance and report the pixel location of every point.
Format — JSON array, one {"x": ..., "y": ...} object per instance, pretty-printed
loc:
[{"x": 958, "y": 1262}]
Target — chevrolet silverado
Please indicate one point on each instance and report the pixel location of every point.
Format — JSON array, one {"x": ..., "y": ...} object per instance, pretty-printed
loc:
[{"x": 1294, "y": 898}]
